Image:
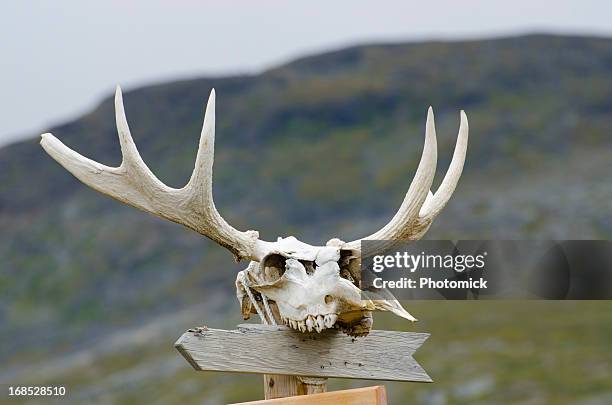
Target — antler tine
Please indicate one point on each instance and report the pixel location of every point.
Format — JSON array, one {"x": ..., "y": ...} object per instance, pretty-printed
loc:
[
  {"x": 436, "y": 202},
  {"x": 200, "y": 197},
  {"x": 201, "y": 177},
  {"x": 134, "y": 184},
  {"x": 131, "y": 160},
  {"x": 399, "y": 228}
]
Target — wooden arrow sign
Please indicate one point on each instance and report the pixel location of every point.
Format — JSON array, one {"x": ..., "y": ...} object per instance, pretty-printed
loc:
[{"x": 266, "y": 349}]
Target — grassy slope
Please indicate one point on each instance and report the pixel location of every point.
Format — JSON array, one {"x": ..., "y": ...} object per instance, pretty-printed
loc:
[
  {"x": 322, "y": 147},
  {"x": 501, "y": 352}
]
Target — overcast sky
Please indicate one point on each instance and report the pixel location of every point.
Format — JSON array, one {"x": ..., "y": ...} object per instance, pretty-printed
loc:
[{"x": 59, "y": 58}]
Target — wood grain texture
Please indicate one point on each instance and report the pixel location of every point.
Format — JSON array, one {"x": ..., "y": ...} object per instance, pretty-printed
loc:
[
  {"x": 359, "y": 396},
  {"x": 261, "y": 349},
  {"x": 280, "y": 386}
]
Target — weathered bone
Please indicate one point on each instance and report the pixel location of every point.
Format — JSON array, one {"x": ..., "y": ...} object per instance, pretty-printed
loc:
[
  {"x": 420, "y": 206},
  {"x": 133, "y": 183},
  {"x": 324, "y": 295},
  {"x": 313, "y": 301}
]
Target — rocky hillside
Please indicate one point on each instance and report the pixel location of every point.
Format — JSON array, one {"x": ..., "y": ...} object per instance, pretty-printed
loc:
[{"x": 322, "y": 147}]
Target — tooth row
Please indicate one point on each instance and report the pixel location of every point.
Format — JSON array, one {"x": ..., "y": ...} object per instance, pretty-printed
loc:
[
  {"x": 330, "y": 320},
  {"x": 316, "y": 323}
]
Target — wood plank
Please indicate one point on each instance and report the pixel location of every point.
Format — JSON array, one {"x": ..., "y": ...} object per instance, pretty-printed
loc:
[
  {"x": 267, "y": 349},
  {"x": 359, "y": 396}
]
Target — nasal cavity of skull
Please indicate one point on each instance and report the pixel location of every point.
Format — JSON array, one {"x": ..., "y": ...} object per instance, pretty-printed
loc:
[{"x": 329, "y": 299}]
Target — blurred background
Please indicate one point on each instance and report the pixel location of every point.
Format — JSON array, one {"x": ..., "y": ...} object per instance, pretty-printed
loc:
[{"x": 320, "y": 123}]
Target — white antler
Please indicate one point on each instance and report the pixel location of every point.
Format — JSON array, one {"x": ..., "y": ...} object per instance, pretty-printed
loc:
[
  {"x": 420, "y": 206},
  {"x": 133, "y": 183}
]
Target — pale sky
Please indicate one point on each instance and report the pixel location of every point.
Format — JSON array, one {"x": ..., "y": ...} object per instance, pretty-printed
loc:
[{"x": 58, "y": 59}]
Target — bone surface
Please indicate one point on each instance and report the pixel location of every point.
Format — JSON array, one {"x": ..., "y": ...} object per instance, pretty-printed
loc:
[{"x": 317, "y": 300}]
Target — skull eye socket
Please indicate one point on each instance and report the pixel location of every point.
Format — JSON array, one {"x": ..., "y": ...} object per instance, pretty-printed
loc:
[
  {"x": 273, "y": 267},
  {"x": 350, "y": 266},
  {"x": 329, "y": 299}
]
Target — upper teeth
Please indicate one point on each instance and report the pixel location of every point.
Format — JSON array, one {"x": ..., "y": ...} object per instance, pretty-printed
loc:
[
  {"x": 312, "y": 322},
  {"x": 320, "y": 323},
  {"x": 330, "y": 320},
  {"x": 309, "y": 323}
]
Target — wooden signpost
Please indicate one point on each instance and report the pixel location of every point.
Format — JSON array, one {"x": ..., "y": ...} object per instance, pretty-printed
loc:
[{"x": 298, "y": 363}]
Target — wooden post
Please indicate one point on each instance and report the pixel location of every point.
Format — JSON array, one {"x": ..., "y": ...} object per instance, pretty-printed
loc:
[{"x": 280, "y": 386}]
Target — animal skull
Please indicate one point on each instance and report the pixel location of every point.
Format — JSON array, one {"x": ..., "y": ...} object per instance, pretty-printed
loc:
[
  {"x": 307, "y": 287},
  {"x": 312, "y": 288}
]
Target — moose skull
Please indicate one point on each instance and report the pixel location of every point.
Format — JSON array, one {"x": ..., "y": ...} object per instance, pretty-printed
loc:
[{"x": 306, "y": 287}]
